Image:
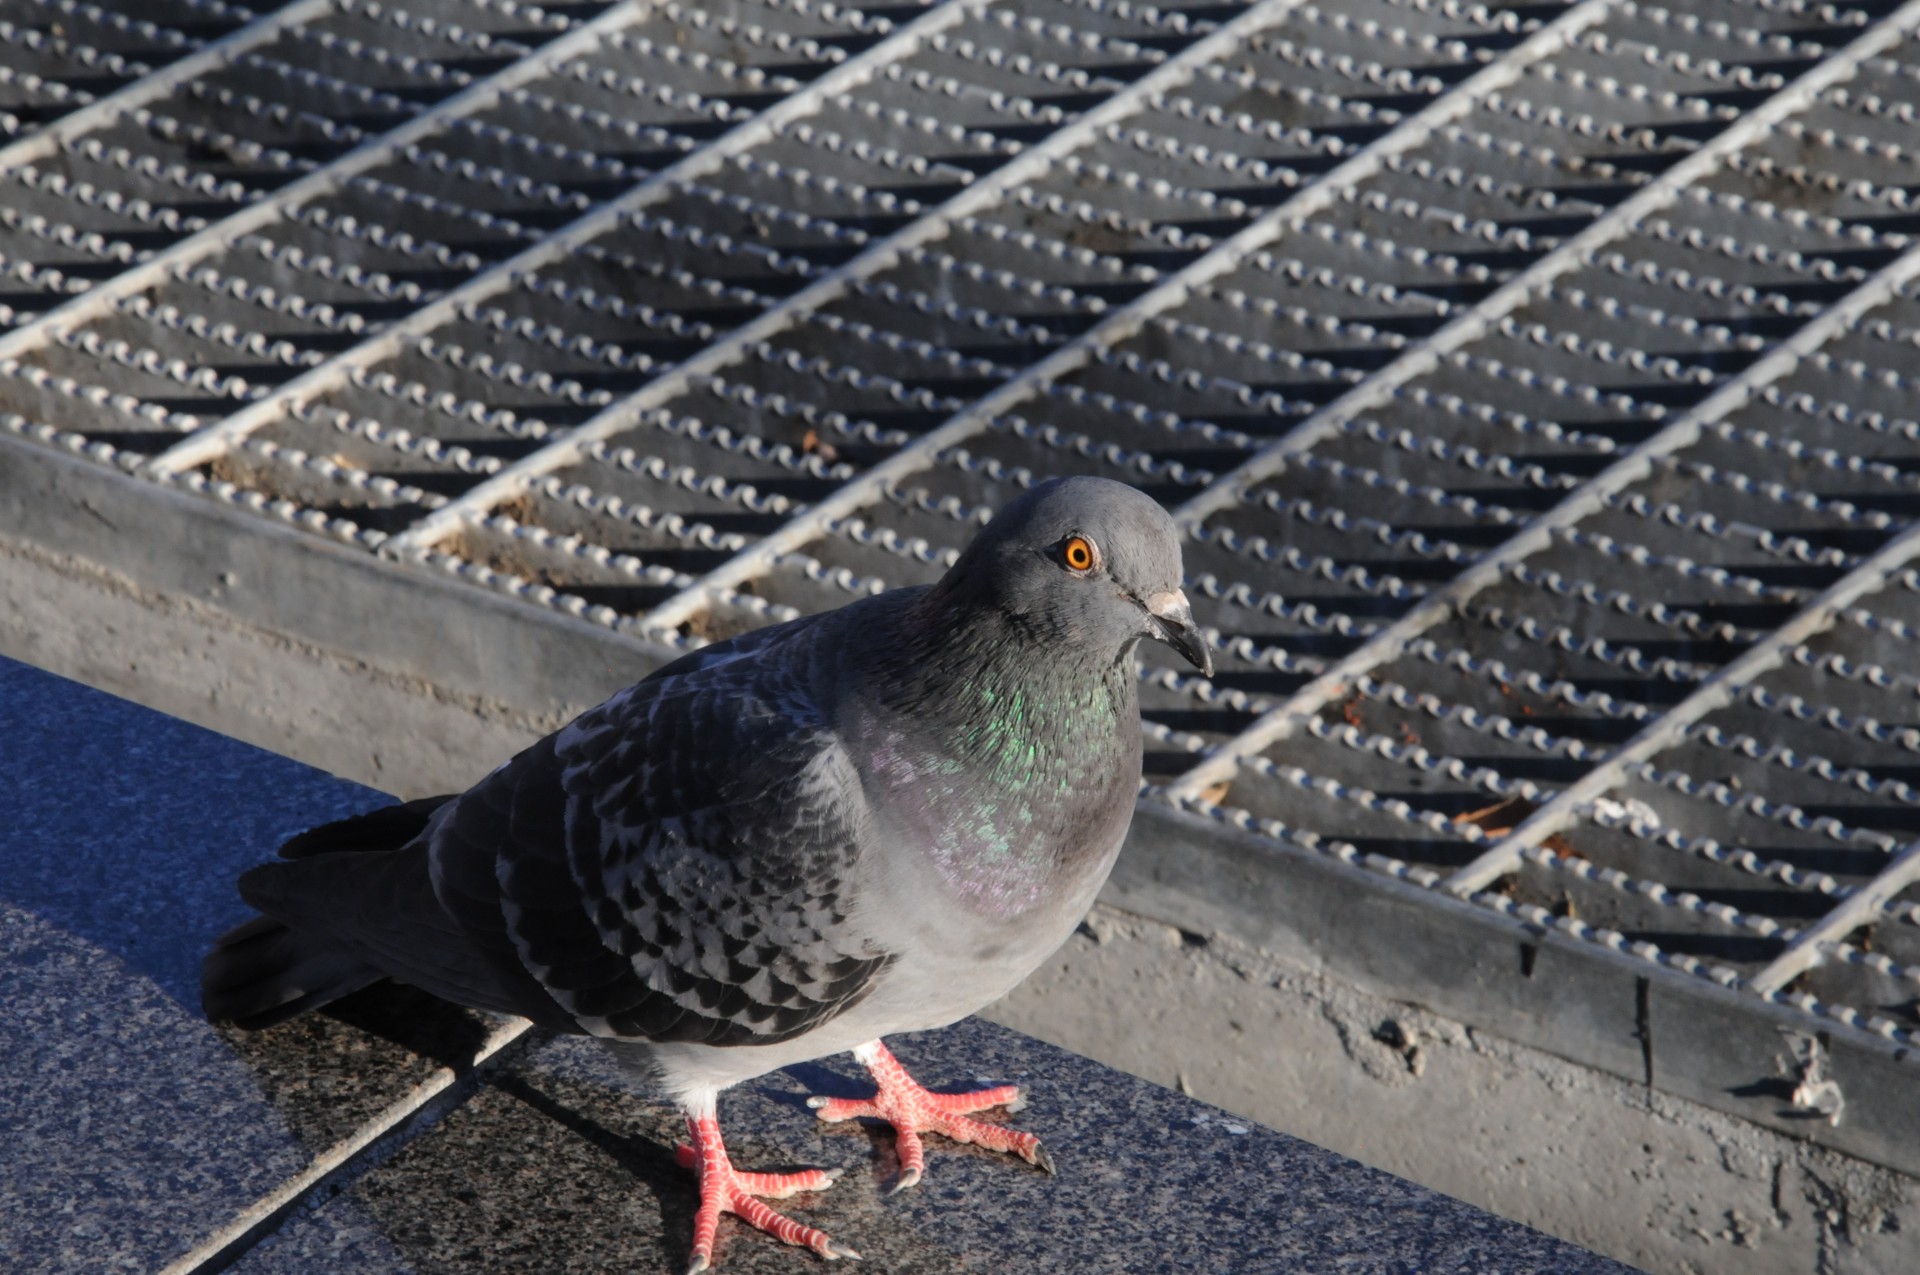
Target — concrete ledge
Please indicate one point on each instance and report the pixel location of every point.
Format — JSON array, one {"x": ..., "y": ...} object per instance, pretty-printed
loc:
[
  {"x": 320, "y": 645},
  {"x": 1616, "y": 1012},
  {"x": 1647, "y": 1178},
  {"x": 136, "y": 1131}
]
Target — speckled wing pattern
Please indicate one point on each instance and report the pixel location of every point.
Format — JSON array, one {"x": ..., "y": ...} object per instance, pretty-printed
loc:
[{"x": 673, "y": 865}]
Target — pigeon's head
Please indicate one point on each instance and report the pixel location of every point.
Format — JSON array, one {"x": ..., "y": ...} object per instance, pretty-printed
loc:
[{"x": 1088, "y": 561}]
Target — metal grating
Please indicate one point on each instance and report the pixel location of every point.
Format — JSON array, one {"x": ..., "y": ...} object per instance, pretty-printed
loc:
[{"x": 1532, "y": 380}]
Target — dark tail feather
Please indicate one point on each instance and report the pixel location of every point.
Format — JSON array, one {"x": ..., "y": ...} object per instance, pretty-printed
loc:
[
  {"x": 261, "y": 973},
  {"x": 387, "y": 828}
]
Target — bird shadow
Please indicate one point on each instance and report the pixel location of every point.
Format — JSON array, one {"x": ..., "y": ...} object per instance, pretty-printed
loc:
[
  {"x": 815, "y": 1081},
  {"x": 415, "y": 1021},
  {"x": 650, "y": 1162},
  {"x": 819, "y": 1081}
]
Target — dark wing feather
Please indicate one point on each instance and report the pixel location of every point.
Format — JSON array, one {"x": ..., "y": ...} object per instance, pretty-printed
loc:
[
  {"x": 710, "y": 828},
  {"x": 670, "y": 866}
]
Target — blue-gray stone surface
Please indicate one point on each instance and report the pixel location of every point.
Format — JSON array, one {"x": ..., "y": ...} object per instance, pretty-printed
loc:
[{"x": 130, "y": 1130}]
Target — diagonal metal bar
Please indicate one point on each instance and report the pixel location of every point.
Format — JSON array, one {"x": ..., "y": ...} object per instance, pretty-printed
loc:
[
  {"x": 1410, "y": 132},
  {"x": 875, "y": 258},
  {"x": 204, "y": 444},
  {"x": 1570, "y": 804},
  {"x": 1280, "y": 721},
  {"x": 1389, "y": 643},
  {"x": 104, "y": 110},
  {"x": 1860, "y": 907},
  {"x": 222, "y": 234},
  {"x": 1572, "y": 253}
]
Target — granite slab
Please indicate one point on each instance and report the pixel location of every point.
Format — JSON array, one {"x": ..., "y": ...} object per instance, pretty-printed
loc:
[
  {"x": 558, "y": 1165},
  {"x": 130, "y": 1130}
]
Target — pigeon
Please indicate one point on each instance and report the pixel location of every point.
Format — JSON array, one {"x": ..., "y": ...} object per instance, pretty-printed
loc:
[{"x": 787, "y": 845}]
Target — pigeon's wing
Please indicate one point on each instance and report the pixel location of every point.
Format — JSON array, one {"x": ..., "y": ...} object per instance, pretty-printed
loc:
[
  {"x": 711, "y": 819},
  {"x": 673, "y": 865}
]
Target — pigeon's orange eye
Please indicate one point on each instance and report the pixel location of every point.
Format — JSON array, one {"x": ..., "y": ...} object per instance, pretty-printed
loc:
[{"x": 1077, "y": 553}]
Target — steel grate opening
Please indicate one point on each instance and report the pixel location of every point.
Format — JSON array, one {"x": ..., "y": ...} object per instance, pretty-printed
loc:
[{"x": 1533, "y": 381}]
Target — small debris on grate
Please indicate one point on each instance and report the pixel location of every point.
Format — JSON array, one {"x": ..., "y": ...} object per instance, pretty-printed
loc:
[
  {"x": 1814, "y": 1092},
  {"x": 1503, "y": 816}
]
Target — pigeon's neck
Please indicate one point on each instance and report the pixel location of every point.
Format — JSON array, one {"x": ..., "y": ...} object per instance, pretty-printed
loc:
[
  {"x": 1000, "y": 689},
  {"x": 1016, "y": 762}
]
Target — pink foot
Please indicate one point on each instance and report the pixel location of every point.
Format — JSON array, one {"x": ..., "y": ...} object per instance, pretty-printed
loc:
[
  {"x": 724, "y": 1189},
  {"x": 912, "y": 1111}
]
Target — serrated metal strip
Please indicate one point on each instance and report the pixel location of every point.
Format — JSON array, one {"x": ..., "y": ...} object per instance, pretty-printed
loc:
[
  {"x": 1572, "y": 253},
  {"x": 150, "y": 88},
  {"x": 1127, "y": 320},
  {"x": 205, "y": 444},
  {"x": 218, "y": 236},
  {"x": 1715, "y": 693},
  {"x": 875, "y": 258},
  {"x": 1634, "y": 465}
]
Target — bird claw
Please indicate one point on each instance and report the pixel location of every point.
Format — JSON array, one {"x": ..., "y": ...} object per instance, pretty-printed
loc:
[
  {"x": 911, "y": 1109},
  {"x": 725, "y": 1189}
]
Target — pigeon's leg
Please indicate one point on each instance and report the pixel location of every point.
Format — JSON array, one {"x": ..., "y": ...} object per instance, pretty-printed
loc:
[
  {"x": 912, "y": 1111},
  {"x": 724, "y": 1189}
]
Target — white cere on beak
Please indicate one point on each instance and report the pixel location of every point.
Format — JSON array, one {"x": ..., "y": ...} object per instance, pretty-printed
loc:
[
  {"x": 1177, "y": 629},
  {"x": 1171, "y": 605}
]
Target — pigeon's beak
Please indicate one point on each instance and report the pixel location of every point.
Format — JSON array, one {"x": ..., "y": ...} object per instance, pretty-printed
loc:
[{"x": 1173, "y": 624}]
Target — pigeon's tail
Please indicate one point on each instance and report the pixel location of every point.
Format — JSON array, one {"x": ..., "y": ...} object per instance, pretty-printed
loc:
[{"x": 261, "y": 972}]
